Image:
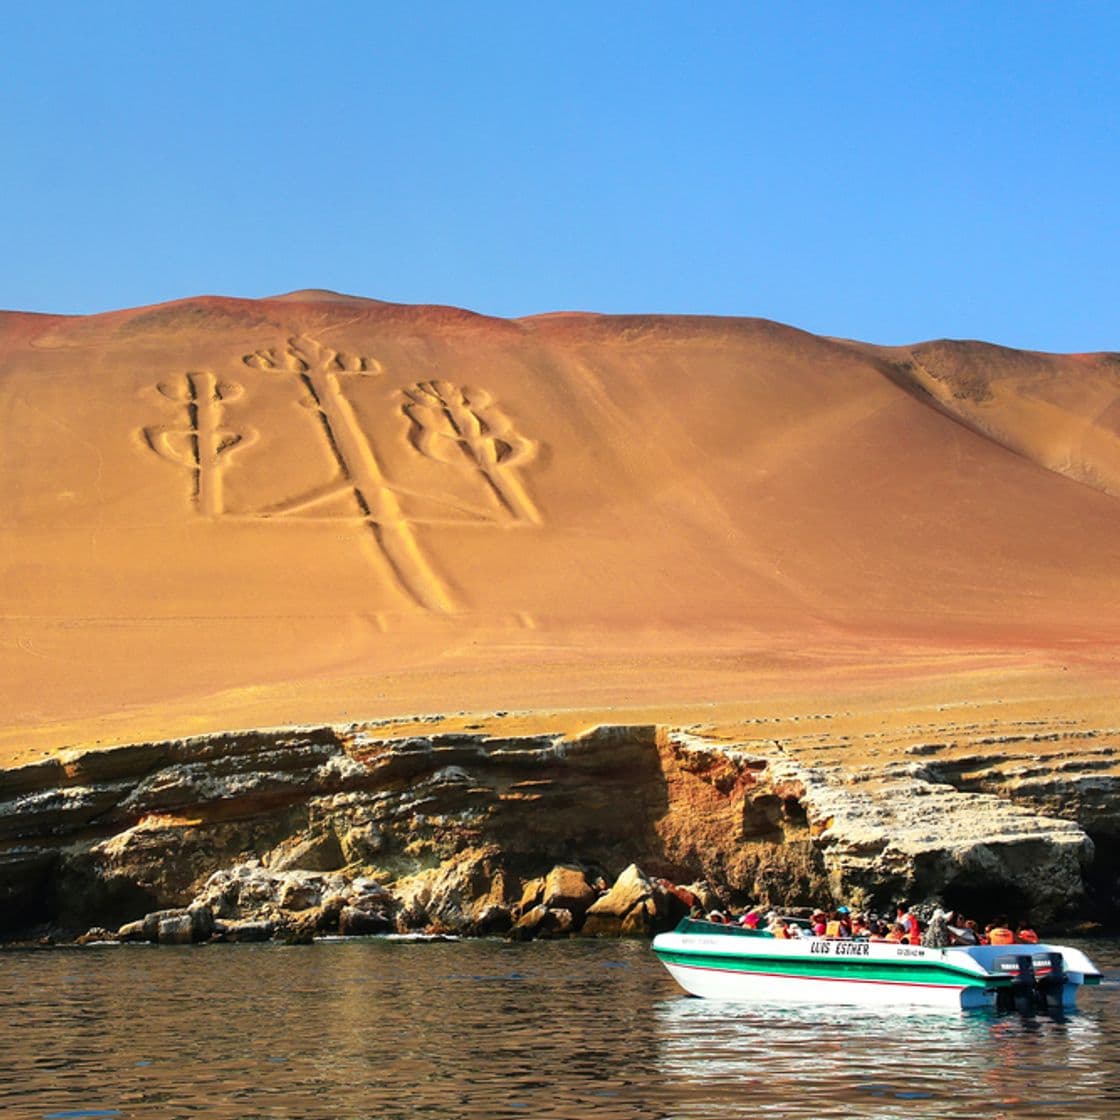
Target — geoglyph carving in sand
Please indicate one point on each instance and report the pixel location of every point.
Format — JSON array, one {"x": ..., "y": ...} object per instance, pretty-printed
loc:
[
  {"x": 462, "y": 427},
  {"x": 201, "y": 445},
  {"x": 456, "y": 426}
]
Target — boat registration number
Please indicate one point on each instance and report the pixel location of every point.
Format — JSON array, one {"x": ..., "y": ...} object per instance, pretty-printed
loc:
[{"x": 840, "y": 948}]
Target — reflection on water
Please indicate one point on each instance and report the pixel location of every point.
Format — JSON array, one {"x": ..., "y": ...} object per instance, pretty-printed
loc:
[
  {"x": 832, "y": 1061},
  {"x": 376, "y": 1029}
]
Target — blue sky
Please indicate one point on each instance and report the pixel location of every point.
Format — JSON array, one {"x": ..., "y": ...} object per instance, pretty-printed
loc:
[{"x": 885, "y": 171}]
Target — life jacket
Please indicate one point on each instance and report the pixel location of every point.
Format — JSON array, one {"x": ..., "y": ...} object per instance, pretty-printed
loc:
[
  {"x": 832, "y": 929},
  {"x": 779, "y": 932},
  {"x": 895, "y": 934},
  {"x": 914, "y": 929},
  {"x": 1028, "y": 936},
  {"x": 1000, "y": 935}
]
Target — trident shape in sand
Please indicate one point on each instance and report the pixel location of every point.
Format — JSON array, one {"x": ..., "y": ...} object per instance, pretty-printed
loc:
[
  {"x": 320, "y": 369},
  {"x": 203, "y": 445},
  {"x": 462, "y": 426}
]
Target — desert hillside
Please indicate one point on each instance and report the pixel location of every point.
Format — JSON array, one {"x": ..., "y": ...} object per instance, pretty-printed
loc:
[{"x": 222, "y": 513}]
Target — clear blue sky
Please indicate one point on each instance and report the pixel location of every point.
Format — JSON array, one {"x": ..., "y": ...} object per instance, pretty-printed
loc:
[{"x": 886, "y": 171}]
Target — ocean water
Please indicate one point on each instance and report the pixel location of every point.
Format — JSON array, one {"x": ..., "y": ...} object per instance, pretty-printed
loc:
[{"x": 482, "y": 1029}]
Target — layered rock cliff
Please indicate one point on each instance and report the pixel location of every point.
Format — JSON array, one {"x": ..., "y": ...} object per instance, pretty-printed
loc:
[{"x": 365, "y": 828}]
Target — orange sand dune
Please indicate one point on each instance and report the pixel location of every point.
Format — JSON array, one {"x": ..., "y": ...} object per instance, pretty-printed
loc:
[{"x": 224, "y": 513}]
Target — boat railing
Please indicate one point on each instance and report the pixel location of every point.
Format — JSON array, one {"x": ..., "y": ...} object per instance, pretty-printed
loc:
[{"x": 702, "y": 925}]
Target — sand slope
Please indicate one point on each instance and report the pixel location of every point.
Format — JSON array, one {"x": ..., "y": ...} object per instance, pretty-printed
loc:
[{"x": 222, "y": 513}]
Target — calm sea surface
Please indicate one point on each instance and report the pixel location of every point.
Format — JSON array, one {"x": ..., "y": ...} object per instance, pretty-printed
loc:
[{"x": 382, "y": 1029}]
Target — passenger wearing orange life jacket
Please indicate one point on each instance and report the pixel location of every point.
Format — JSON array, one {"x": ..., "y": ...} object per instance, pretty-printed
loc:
[
  {"x": 896, "y": 933},
  {"x": 910, "y": 923},
  {"x": 1025, "y": 934},
  {"x": 999, "y": 933}
]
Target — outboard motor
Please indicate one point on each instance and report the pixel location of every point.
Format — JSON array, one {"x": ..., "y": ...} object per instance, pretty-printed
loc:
[
  {"x": 1024, "y": 986},
  {"x": 1050, "y": 985}
]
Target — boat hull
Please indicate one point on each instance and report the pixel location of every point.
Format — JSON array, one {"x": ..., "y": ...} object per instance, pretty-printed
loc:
[{"x": 717, "y": 983}]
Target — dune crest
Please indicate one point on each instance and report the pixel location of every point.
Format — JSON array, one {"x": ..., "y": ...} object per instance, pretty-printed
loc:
[{"x": 1060, "y": 411}]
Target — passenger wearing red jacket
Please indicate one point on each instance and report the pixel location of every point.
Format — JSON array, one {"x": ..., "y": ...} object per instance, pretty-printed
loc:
[{"x": 910, "y": 923}]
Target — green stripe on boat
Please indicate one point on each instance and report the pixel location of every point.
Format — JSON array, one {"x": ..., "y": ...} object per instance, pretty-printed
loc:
[{"x": 816, "y": 968}]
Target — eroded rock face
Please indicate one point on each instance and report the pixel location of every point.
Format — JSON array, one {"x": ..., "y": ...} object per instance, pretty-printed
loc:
[
  {"x": 338, "y": 829},
  {"x": 903, "y": 834},
  {"x": 454, "y": 896}
]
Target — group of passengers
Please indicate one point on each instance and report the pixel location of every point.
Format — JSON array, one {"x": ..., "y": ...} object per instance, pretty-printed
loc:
[{"x": 944, "y": 928}]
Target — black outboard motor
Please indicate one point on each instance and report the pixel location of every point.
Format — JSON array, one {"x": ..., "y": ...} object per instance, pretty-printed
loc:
[
  {"x": 1050, "y": 985},
  {"x": 1037, "y": 981},
  {"x": 1024, "y": 984}
]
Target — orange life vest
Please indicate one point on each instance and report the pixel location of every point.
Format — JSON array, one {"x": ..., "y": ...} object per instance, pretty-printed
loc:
[
  {"x": 779, "y": 932},
  {"x": 1000, "y": 935},
  {"x": 832, "y": 929},
  {"x": 1028, "y": 936},
  {"x": 895, "y": 934}
]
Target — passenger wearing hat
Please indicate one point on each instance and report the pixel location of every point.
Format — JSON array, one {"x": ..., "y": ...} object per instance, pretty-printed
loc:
[
  {"x": 937, "y": 932},
  {"x": 750, "y": 919},
  {"x": 838, "y": 925}
]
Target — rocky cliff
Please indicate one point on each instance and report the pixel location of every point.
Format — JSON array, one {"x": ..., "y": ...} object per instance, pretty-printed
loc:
[{"x": 367, "y": 827}]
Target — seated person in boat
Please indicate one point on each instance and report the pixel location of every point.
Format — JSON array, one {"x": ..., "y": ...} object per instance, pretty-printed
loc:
[
  {"x": 898, "y": 933},
  {"x": 911, "y": 924},
  {"x": 751, "y": 919},
  {"x": 999, "y": 932},
  {"x": 839, "y": 923},
  {"x": 962, "y": 931},
  {"x": 937, "y": 934}
]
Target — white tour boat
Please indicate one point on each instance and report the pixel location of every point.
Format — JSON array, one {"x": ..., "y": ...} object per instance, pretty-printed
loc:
[{"x": 727, "y": 962}]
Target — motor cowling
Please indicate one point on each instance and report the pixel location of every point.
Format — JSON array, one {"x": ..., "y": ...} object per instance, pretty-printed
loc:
[
  {"x": 1037, "y": 980},
  {"x": 1049, "y": 985},
  {"x": 1025, "y": 984}
]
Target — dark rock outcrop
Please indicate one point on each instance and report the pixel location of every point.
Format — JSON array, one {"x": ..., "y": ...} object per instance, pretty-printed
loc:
[{"x": 635, "y": 906}]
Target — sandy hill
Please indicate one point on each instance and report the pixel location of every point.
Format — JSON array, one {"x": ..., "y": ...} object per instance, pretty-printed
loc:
[{"x": 226, "y": 513}]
